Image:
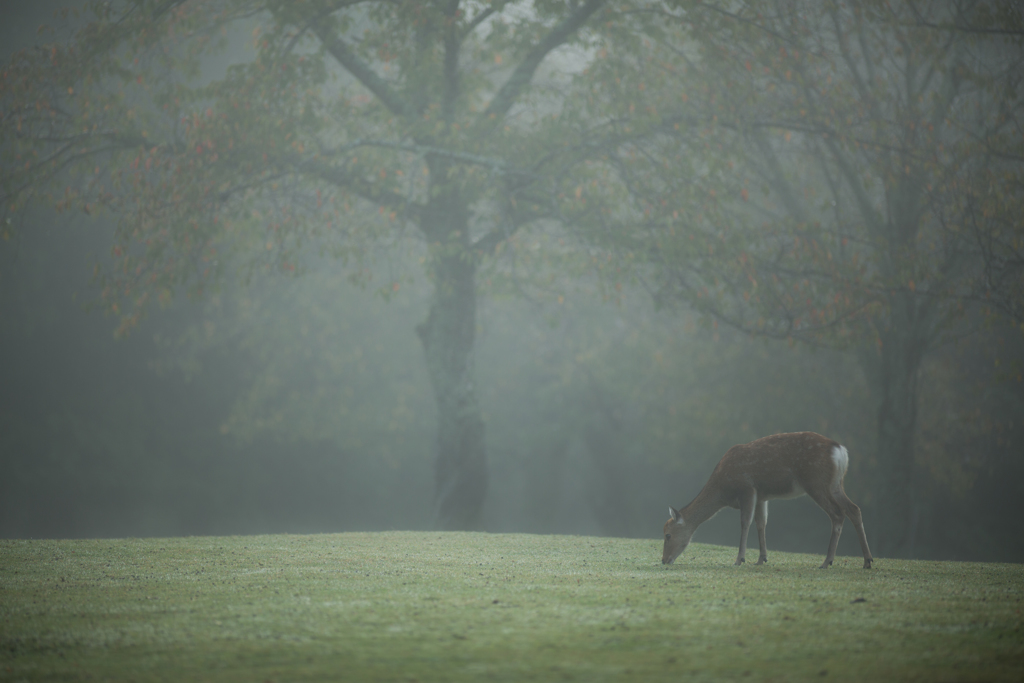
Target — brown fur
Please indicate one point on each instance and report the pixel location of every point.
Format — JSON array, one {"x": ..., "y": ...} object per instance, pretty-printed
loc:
[{"x": 749, "y": 475}]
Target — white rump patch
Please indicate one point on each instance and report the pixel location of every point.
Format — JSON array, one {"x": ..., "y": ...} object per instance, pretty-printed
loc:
[{"x": 842, "y": 461}]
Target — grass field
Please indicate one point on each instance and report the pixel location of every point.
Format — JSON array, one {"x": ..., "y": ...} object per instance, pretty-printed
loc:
[{"x": 429, "y": 606}]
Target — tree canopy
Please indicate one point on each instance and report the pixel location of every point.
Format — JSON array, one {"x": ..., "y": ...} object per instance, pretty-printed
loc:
[
  {"x": 846, "y": 174},
  {"x": 859, "y": 183},
  {"x": 343, "y": 127}
]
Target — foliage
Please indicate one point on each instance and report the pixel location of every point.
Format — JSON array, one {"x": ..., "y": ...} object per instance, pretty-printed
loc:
[
  {"x": 300, "y": 405},
  {"x": 850, "y": 160},
  {"x": 347, "y": 126},
  {"x": 341, "y": 127},
  {"x": 844, "y": 174}
]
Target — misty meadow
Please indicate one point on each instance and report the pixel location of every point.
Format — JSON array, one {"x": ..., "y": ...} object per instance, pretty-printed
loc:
[{"x": 331, "y": 267}]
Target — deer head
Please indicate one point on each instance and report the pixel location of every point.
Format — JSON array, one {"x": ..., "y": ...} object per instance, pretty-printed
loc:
[{"x": 677, "y": 536}]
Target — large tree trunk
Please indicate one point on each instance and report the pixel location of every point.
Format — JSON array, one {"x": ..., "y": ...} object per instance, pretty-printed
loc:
[
  {"x": 892, "y": 372},
  {"x": 447, "y": 334}
]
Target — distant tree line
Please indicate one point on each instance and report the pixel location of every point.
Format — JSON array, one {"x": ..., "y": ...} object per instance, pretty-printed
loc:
[{"x": 840, "y": 175}]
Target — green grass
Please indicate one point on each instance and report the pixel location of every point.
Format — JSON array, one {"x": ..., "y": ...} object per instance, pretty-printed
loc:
[{"x": 428, "y": 606}]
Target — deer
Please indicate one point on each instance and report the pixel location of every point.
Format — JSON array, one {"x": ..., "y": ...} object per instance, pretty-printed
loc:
[{"x": 778, "y": 466}]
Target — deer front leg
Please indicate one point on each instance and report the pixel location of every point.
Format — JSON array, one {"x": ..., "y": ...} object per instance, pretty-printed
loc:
[
  {"x": 761, "y": 520},
  {"x": 747, "y": 503},
  {"x": 833, "y": 543}
]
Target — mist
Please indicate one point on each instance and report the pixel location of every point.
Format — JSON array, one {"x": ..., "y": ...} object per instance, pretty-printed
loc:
[
  {"x": 284, "y": 407},
  {"x": 301, "y": 403}
]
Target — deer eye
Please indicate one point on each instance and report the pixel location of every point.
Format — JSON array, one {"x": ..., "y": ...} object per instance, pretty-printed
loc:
[{"x": 668, "y": 537}]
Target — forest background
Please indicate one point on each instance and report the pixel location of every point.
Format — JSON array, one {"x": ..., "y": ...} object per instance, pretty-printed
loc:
[{"x": 302, "y": 403}]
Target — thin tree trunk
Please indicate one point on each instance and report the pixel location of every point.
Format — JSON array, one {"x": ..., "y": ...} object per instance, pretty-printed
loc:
[
  {"x": 893, "y": 372},
  {"x": 447, "y": 335}
]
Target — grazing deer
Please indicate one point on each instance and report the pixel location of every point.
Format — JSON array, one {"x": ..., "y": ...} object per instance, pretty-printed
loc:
[{"x": 779, "y": 466}]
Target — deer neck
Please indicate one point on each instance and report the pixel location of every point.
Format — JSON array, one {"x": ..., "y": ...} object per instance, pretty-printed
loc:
[{"x": 705, "y": 506}]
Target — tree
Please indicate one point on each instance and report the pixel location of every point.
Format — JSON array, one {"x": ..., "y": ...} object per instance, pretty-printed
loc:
[
  {"x": 846, "y": 174},
  {"x": 348, "y": 127}
]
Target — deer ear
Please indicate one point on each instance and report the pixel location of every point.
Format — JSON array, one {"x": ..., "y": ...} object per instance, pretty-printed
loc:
[{"x": 676, "y": 517}]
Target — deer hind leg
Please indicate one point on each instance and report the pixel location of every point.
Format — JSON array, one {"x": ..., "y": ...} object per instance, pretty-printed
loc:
[
  {"x": 761, "y": 520},
  {"x": 853, "y": 512},
  {"x": 832, "y": 508},
  {"x": 748, "y": 501}
]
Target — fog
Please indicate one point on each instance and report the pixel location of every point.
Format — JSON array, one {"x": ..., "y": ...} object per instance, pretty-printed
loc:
[{"x": 302, "y": 404}]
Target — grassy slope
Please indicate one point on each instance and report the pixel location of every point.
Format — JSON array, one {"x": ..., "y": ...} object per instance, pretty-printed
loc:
[{"x": 405, "y": 606}]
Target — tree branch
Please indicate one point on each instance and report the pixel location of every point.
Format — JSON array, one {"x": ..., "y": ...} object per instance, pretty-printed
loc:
[
  {"x": 777, "y": 178},
  {"x": 495, "y": 165},
  {"x": 362, "y": 71},
  {"x": 521, "y": 76},
  {"x": 367, "y": 190},
  {"x": 479, "y": 19},
  {"x": 452, "y": 45}
]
